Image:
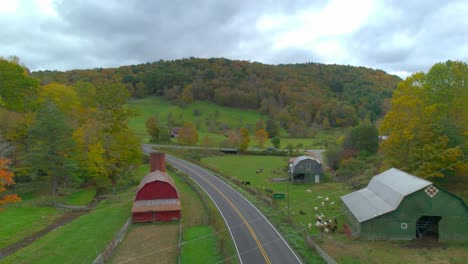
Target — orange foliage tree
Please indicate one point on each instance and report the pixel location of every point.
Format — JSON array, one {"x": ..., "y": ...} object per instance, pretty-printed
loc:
[{"x": 6, "y": 179}]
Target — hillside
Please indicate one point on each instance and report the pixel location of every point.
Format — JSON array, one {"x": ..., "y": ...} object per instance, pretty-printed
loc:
[{"x": 296, "y": 95}]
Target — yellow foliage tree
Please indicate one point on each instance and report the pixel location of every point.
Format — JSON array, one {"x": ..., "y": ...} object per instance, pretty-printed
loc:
[
  {"x": 426, "y": 123},
  {"x": 188, "y": 134},
  {"x": 261, "y": 136}
]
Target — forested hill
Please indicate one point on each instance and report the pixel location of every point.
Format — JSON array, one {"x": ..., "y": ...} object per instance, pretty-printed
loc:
[{"x": 297, "y": 95}]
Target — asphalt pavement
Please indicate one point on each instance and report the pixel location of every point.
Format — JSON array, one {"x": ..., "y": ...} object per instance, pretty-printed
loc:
[{"x": 255, "y": 238}]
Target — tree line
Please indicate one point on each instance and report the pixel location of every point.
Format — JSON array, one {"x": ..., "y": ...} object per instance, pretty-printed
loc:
[
  {"x": 68, "y": 135},
  {"x": 297, "y": 96}
]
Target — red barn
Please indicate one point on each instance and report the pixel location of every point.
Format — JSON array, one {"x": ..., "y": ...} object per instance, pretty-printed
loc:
[{"x": 157, "y": 198}]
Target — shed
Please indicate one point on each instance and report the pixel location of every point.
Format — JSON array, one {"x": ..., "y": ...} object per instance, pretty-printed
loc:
[
  {"x": 396, "y": 205},
  {"x": 156, "y": 198},
  {"x": 305, "y": 169}
]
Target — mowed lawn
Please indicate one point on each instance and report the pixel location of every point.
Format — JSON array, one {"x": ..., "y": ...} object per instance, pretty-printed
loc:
[{"x": 199, "y": 246}]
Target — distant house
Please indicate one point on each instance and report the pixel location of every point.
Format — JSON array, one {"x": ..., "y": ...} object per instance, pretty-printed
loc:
[
  {"x": 396, "y": 205},
  {"x": 305, "y": 169},
  {"x": 175, "y": 132},
  {"x": 156, "y": 198}
]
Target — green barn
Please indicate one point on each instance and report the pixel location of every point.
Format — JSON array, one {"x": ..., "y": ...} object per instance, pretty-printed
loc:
[
  {"x": 396, "y": 205},
  {"x": 305, "y": 169}
]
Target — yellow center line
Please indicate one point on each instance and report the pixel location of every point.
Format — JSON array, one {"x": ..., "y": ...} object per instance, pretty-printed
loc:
[{"x": 262, "y": 250}]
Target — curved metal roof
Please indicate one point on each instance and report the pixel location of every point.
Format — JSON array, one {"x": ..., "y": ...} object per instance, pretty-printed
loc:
[
  {"x": 383, "y": 194},
  {"x": 301, "y": 158},
  {"x": 156, "y": 176}
]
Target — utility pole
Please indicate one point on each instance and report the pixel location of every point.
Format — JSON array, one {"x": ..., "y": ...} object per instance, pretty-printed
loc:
[{"x": 287, "y": 187}]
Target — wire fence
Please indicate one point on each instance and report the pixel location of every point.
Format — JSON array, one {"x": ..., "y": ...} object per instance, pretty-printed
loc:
[
  {"x": 320, "y": 251},
  {"x": 105, "y": 255}
]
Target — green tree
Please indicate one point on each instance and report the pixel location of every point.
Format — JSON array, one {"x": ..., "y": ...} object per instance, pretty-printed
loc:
[
  {"x": 244, "y": 139},
  {"x": 153, "y": 129},
  {"x": 18, "y": 91},
  {"x": 363, "y": 138},
  {"x": 50, "y": 145},
  {"x": 272, "y": 127},
  {"x": 188, "y": 134},
  {"x": 276, "y": 142},
  {"x": 427, "y": 121}
]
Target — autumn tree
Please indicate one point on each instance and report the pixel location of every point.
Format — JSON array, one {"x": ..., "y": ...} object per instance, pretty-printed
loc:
[
  {"x": 428, "y": 121},
  {"x": 188, "y": 134},
  {"x": 244, "y": 139},
  {"x": 153, "y": 129},
  {"x": 261, "y": 136},
  {"x": 6, "y": 179}
]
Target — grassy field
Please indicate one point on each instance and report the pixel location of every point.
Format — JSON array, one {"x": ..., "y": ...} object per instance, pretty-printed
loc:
[
  {"x": 338, "y": 245},
  {"x": 199, "y": 250},
  {"x": 20, "y": 222},
  {"x": 80, "y": 240},
  {"x": 81, "y": 197},
  {"x": 197, "y": 112}
]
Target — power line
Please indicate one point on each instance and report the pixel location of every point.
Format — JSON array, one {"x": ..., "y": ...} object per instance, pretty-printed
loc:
[{"x": 279, "y": 211}]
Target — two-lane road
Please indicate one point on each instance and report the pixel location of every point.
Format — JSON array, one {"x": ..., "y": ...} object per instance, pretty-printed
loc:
[{"x": 256, "y": 240}]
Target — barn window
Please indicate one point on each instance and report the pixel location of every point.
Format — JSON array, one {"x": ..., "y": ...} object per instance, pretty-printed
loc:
[
  {"x": 308, "y": 166},
  {"x": 404, "y": 226}
]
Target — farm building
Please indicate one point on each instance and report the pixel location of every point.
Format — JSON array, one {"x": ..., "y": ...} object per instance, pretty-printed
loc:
[
  {"x": 396, "y": 205},
  {"x": 157, "y": 198},
  {"x": 305, "y": 169}
]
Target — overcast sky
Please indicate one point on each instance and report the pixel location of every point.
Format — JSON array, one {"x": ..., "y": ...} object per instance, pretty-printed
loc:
[{"x": 400, "y": 37}]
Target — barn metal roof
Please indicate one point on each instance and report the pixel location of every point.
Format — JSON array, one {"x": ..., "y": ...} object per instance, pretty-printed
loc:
[
  {"x": 156, "y": 176},
  {"x": 301, "y": 158},
  {"x": 383, "y": 194},
  {"x": 159, "y": 205}
]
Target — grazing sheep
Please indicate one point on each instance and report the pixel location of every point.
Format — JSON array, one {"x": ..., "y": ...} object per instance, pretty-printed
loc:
[
  {"x": 259, "y": 170},
  {"x": 315, "y": 208},
  {"x": 309, "y": 190},
  {"x": 326, "y": 198}
]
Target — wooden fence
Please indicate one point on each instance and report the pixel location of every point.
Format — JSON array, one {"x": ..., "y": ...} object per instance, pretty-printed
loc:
[{"x": 105, "y": 255}]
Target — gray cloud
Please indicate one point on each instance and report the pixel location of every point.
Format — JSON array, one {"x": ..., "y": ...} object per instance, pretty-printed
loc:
[{"x": 405, "y": 37}]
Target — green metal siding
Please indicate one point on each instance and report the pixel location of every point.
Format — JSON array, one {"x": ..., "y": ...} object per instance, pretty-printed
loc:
[
  {"x": 452, "y": 227},
  {"x": 352, "y": 222},
  {"x": 309, "y": 168}
]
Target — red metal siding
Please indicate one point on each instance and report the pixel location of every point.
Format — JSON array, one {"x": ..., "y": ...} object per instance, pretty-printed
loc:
[
  {"x": 156, "y": 190},
  {"x": 155, "y": 216},
  {"x": 142, "y": 217},
  {"x": 167, "y": 216}
]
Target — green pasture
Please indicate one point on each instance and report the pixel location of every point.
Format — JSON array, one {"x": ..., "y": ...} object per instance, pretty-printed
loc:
[
  {"x": 20, "y": 222},
  {"x": 302, "y": 197},
  {"x": 198, "y": 112},
  {"x": 200, "y": 245},
  {"x": 80, "y": 240},
  {"x": 81, "y": 197}
]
